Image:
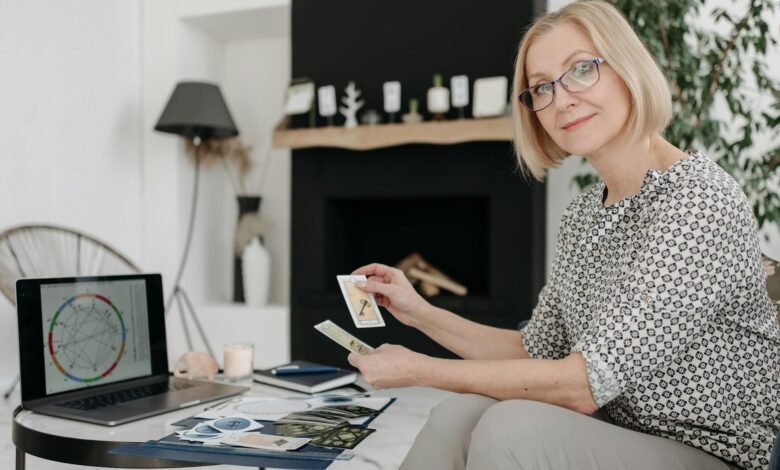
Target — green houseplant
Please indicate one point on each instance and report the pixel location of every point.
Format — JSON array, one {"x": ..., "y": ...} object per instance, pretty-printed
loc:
[{"x": 725, "y": 102}]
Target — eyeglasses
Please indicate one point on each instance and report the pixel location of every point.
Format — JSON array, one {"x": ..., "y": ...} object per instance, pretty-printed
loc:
[{"x": 578, "y": 78}]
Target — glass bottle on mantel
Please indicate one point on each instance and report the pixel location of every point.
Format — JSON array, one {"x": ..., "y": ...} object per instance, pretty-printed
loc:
[{"x": 251, "y": 267}]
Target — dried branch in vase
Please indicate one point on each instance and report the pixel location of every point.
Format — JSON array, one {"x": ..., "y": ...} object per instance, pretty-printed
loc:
[{"x": 225, "y": 151}]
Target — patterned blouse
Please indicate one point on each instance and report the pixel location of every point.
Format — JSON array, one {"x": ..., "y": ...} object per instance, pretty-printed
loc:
[{"x": 664, "y": 295}]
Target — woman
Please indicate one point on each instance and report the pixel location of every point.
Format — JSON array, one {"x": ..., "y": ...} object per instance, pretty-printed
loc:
[{"x": 654, "y": 344}]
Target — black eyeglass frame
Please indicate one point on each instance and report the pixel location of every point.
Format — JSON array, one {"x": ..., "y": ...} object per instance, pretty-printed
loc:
[{"x": 598, "y": 61}]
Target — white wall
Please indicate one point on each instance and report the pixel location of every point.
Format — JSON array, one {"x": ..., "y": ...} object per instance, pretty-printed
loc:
[
  {"x": 70, "y": 144},
  {"x": 84, "y": 82},
  {"x": 257, "y": 73},
  {"x": 243, "y": 46}
]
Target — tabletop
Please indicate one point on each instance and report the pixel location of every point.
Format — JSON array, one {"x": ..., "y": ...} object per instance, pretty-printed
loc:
[{"x": 396, "y": 429}]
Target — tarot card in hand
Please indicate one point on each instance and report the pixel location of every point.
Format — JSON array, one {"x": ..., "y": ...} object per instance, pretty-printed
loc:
[
  {"x": 361, "y": 304},
  {"x": 342, "y": 337}
]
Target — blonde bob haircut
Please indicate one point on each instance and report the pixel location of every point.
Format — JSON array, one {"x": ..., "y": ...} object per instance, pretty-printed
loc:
[{"x": 616, "y": 41}]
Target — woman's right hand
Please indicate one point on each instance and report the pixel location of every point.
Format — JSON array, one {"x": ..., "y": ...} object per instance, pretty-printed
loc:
[{"x": 393, "y": 291}]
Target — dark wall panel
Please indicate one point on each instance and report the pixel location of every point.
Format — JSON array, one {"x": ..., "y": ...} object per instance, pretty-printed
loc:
[
  {"x": 371, "y": 42},
  {"x": 494, "y": 218}
]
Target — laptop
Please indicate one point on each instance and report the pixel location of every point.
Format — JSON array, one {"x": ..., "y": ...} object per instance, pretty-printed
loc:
[{"x": 93, "y": 349}]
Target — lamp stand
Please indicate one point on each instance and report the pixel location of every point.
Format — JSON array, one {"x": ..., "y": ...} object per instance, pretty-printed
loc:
[
  {"x": 182, "y": 299},
  {"x": 11, "y": 387}
]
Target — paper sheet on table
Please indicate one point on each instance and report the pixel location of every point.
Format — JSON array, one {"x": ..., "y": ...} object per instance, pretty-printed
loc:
[{"x": 272, "y": 409}]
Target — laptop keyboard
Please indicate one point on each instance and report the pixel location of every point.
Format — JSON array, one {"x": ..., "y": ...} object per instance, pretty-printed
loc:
[{"x": 122, "y": 396}]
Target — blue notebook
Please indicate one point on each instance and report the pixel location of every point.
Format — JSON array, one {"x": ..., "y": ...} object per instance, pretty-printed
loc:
[{"x": 307, "y": 383}]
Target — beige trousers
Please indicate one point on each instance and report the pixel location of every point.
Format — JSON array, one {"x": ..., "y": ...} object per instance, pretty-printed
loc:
[{"x": 478, "y": 433}]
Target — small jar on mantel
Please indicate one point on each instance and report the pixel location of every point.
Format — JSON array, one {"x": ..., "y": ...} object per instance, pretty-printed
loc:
[{"x": 438, "y": 99}]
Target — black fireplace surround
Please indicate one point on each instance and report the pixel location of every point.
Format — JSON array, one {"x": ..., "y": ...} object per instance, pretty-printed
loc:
[{"x": 463, "y": 207}]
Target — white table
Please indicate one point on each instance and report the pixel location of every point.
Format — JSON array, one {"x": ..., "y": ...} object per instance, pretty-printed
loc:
[{"x": 74, "y": 442}]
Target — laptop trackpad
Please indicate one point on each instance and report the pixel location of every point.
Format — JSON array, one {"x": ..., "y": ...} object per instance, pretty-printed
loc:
[{"x": 113, "y": 413}]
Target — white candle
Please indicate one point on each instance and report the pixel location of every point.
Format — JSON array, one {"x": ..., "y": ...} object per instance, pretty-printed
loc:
[{"x": 238, "y": 360}]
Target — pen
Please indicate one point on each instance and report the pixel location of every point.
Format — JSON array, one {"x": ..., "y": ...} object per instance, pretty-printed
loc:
[
  {"x": 222, "y": 404},
  {"x": 303, "y": 370}
]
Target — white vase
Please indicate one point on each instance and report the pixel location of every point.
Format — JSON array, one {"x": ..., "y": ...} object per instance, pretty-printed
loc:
[{"x": 256, "y": 270}]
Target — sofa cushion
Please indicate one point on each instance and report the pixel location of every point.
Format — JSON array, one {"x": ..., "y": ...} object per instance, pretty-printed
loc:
[{"x": 772, "y": 269}]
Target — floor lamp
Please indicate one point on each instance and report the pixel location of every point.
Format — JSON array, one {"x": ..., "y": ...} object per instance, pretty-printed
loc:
[{"x": 194, "y": 111}]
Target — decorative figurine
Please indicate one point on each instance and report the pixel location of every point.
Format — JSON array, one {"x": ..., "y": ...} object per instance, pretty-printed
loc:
[
  {"x": 194, "y": 365},
  {"x": 351, "y": 105},
  {"x": 326, "y": 97},
  {"x": 392, "y": 93},
  {"x": 438, "y": 99},
  {"x": 371, "y": 118},
  {"x": 459, "y": 85},
  {"x": 413, "y": 116}
]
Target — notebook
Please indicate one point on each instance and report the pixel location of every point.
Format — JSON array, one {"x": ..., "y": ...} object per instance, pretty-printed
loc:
[
  {"x": 307, "y": 383},
  {"x": 93, "y": 349}
]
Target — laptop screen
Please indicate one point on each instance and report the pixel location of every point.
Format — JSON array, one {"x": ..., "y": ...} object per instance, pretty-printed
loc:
[
  {"x": 94, "y": 333},
  {"x": 84, "y": 332}
]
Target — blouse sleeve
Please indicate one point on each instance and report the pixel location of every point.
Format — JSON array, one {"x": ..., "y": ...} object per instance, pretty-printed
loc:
[
  {"x": 545, "y": 334},
  {"x": 696, "y": 252}
]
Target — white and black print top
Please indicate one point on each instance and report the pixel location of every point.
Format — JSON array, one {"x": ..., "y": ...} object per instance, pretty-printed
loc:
[{"x": 664, "y": 295}]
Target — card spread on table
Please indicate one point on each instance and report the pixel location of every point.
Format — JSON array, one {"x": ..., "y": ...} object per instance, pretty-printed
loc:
[
  {"x": 214, "y": 432},
  {"x": 342, "y": 337},
  {"x": 327, "y": 426},
  {"x": 361, "y": 304}
]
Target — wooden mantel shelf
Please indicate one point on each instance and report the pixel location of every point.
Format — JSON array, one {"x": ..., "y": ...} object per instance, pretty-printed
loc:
[{"x": 388, "y": 135}]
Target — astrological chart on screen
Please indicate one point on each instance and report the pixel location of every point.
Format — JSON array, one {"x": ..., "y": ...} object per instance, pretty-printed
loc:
[{"x": 94, "y": 333}]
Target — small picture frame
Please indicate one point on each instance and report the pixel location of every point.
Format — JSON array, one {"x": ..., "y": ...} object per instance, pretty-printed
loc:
[
  {"x": 300, "y": 96},
  {"x": 490, "y": 97}
]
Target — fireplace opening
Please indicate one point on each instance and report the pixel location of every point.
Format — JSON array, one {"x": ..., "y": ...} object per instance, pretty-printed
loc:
[{"x": 452, "y": 233}]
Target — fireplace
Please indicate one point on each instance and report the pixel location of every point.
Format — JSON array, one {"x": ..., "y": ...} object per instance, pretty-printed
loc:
[{"x": 463, "y": 207}]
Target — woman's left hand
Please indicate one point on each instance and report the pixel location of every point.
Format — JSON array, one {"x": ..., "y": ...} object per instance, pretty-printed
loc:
[{"x": 390, "y": 365}]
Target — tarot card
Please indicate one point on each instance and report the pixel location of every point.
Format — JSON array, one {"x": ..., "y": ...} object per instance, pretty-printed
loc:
[
  {"x": 351, "y": 411},
  {"x": 339, "y": 335},
  {"x": 303, "y": 430},
  {"x": 361, "y": 304},
  {"x": 310, "y": 418},
  {"x": 265, "y": 441},
  {"x": 324, "y": 415},
  {"x": 344, "y": 437}
]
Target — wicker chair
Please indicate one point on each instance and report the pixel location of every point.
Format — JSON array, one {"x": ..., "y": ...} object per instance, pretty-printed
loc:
[{"x": 52, "y": 251}]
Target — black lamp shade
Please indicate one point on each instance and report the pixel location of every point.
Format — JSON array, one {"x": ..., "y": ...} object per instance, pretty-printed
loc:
[{"x": 197, "y": 110}]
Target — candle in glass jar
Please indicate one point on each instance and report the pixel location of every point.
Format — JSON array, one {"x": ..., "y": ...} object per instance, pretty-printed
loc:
[{"x": 238, "y": 360}]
